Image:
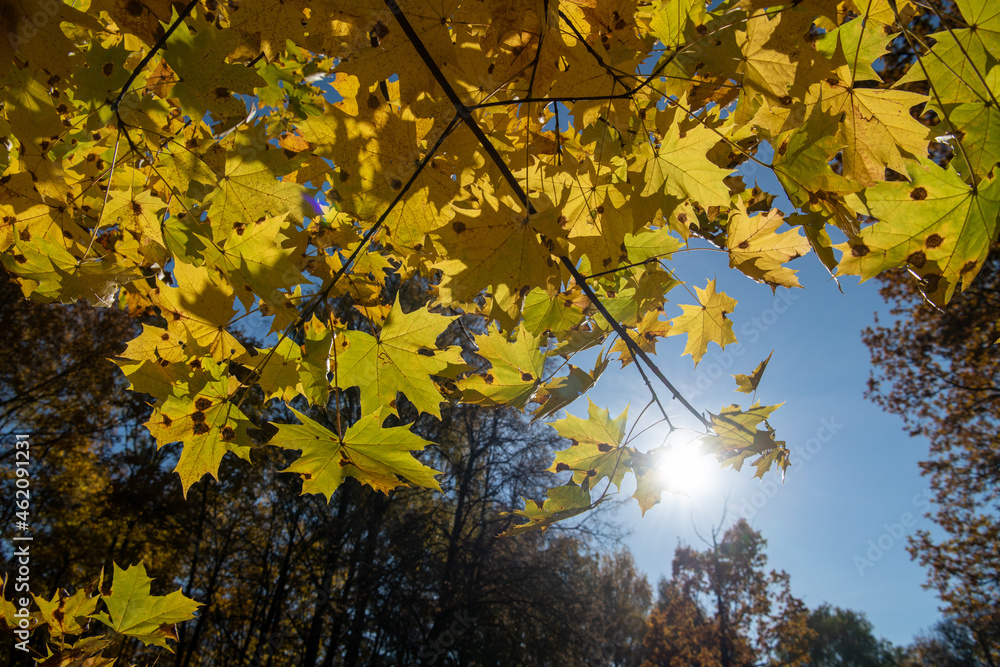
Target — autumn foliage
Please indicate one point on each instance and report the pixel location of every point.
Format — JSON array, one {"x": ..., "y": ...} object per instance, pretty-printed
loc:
[{"x": 532, "y": 166}]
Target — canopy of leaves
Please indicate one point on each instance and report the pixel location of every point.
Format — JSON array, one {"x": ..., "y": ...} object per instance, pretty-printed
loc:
[{"x": 534, "y": 163}]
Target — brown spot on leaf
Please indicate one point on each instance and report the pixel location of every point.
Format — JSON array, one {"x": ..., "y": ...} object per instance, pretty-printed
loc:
[
  {"x": 917, "y": 259},
  {"x": 968, "y": 266},
  {"x": 228, "y": 433},
  {"x": 222, "y": 93},
  {"x": 458, "y": 226},
  {"x": 203, "y": 403},
  {"x": 395, "y": 184},
  {"x": 20, "y": 259},
  {"x": 604, "y": 447},
  {"x": 24, "y": 235},
  {"x": 134, "y": 8},
  {"x": 931, "y": 282},
  {"x": 859, "y": 250},
  {"x": 783, "y": 148},
  {"x": 591, "y": 473},
  {"x": 933, "y": 241},
  {"x": 201, "y": 428},
  {"x": 373, "y": 101},
  {"x": 165, "y": 336},
  {"x": 107, "y": 69},
  {"x": 918, "y": 194},
  {"x": 785, "y": 100},
  {"x": 744, "y": 245},
  {"x": 562, "y": 466},
  {"x": 527, "y": 377},
  {"x": 682, "y": 218},
  {"x": 166, "y": 421}
]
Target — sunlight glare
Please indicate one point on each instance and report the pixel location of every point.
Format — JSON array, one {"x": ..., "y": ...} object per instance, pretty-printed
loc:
[{"x": 686, "y": 470}]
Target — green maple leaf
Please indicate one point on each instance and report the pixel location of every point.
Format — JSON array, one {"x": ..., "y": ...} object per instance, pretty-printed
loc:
[
  {"x": 706, "y": 322},
  {"x": 597, "y": 451},
  {"x": 399, "y": 359},
  {"x": 249, "y": 186},
  {"x": 936, "y": 223},
  {"x": 680, "y": 167},
  {"x": 562, "y": 502},
  {"x": 516, "y": 369},
  {"x": 561, "y": 391},
  {"x": 737, "y": 437},
  {"x": 373, "y": 455},
  {"x": 134, "y": 612},
  {"x": 543, "y": 313}
]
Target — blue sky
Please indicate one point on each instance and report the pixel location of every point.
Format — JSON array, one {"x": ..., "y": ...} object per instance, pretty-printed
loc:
[{"x": 853, "y": 493}]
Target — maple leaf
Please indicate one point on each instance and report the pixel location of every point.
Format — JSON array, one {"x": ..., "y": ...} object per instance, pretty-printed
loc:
[
  {"x": 737, "y": 437},
  {"x": 561, "y": 503},
  {"x": 377, "y": 456},
  {"x": 559, "y": 392},
  {"x": 249, "y": 188},
  {"x": 67, "y": 614},
  {"x": 875, "y": 129},
  {"x": 680, "y": 166},
  {"x": 936, "y": 223},
  {"x": 398, "y": 359},
  {"x": 199, "y": 415},
  {"x": 706, "y": 322},
  {"x": 493, "y": 247},
  {"x": 748, "y": 383},
  {"x": 198, "y": 311},
  {"x": 134, "y": 612},
  {"x": 756, "y": 249},
  {"x": 205, "y": 81},
  {"x": 154, "y": 362},
  {"x": 515, "y": 370},
  {"x": 596, "y": 451},
  {"x": 49, "y": 272},
  {"x": 260, "y": 261}
]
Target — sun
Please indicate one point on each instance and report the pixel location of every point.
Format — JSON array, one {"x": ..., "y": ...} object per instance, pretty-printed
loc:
[{"x": 687, "y": 470}]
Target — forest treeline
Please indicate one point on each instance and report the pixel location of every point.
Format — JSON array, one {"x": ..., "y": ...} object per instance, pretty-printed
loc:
[{"x": 412, "y": 577}]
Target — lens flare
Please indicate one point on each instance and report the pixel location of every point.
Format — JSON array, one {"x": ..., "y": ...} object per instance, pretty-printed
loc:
[{"x": 685, "y": 469}]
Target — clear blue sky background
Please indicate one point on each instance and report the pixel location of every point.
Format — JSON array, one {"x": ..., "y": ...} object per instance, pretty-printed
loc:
[{"x": 854, "y": 471}]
